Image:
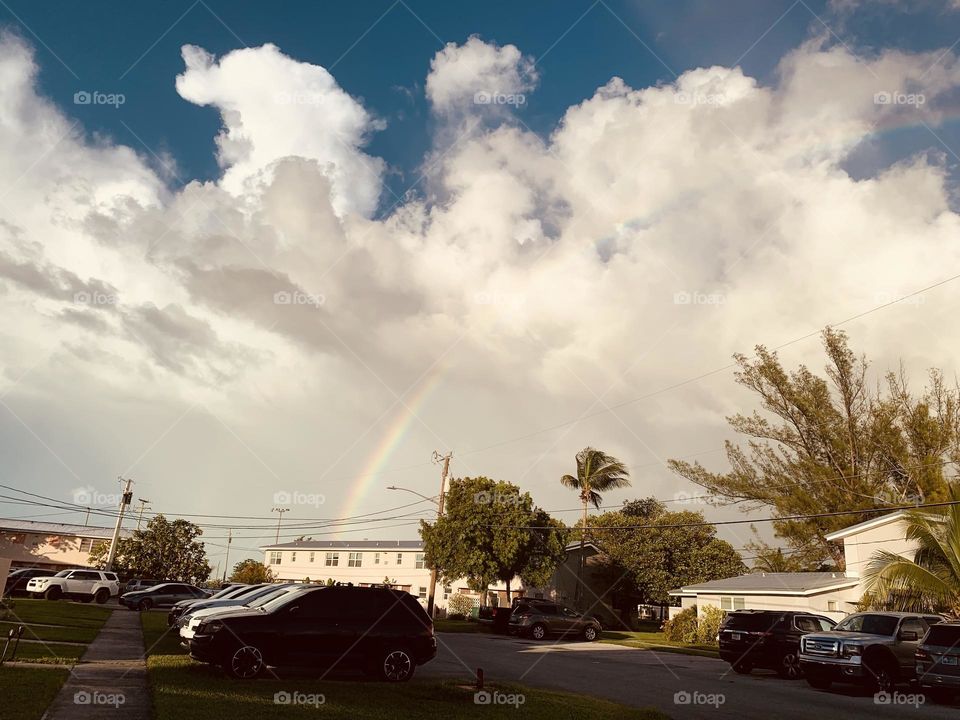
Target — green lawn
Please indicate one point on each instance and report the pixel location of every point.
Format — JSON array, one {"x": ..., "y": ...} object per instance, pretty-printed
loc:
[
  {"x": 58, "y": 612},
  {"x": 59, "y": 633},
  {"x": 158, "y": 639},
  {"x": 70, "y": 622},
  {"x": 644, "y": 640},
  {"x": 48, "y": 653},
  {"x": 185, "y": 690},
  {"x": 28, "y": 691}
]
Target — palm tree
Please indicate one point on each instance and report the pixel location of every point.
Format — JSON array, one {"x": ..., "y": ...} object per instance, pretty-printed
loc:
[
  {"x": 596, "y": 472},
  {"x": 931, "y": 581}
]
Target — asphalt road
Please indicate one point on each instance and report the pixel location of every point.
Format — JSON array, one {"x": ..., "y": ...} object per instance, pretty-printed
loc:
[{"x": 644, "y": 678}]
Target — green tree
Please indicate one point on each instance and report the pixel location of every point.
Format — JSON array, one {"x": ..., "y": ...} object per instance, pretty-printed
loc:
[
  {"x": 832, "y": 443},
  {"x": 929, "y": 582},
  {"x": 252, "y": 572},
  {"x": 647, "y": 555},
  {"x": 164, "y": 549},
  {"x": 597, "y": 472}
]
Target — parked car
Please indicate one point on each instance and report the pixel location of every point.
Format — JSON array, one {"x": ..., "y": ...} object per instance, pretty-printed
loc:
[
  {"x": 135, "y": 584},
  {"x": 18, "y": 578},
  {"x": 767, "y": 639},
  {"x": 872, "y": 648},
  {"x": 80, "y": 584},
  {"x": 540, "y": 619},
  {"x": 179, "y": 612},
  {"x": 192, "y": 618},
  {"x": 162, "y": 595},
  {"x": 383, "y": 631},
  {"x": 938, "y": 661},
  {"x": 180, "y": 607}
]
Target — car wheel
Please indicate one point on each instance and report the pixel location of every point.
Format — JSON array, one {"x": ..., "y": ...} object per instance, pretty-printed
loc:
[
  {"x": 818, "y": 679},
  {"x": 790, "y": 667},
  {"x": 397, "y": 665},
  {"x": 882, "y": 675},
  {"x": 144, "y": 604},
  {"x": 102, "y": 596},
  {"x": 590, "y": 633},
  {"x": 53, "y": 593},
  {"x": 742, "y": 668},
  {"x": 538, "y": 631},
  {"x": 245, "y": 663}
]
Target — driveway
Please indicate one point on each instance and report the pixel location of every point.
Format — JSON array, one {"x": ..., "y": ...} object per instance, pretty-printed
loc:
[{"x": 645, "y": 678}]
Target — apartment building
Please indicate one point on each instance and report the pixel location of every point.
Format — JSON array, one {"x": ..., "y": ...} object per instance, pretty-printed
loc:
[{"x": 50, "y": 545}]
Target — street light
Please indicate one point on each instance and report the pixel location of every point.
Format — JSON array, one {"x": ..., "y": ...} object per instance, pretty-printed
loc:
[{"x": 431, "y": 499}]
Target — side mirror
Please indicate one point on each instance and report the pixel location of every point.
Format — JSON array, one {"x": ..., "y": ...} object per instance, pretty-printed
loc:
[
  {"x": 909, "y": 635},
  {"x": 294, "y": 610}
]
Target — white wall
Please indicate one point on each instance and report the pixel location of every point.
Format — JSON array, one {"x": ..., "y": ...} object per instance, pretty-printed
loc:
[{"x": 859, "y": 549}]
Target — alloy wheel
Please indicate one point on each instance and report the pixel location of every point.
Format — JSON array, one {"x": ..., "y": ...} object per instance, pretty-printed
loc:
[
  {"x": 397, "y": 666},
  {"x": 247, "y": 662},
  {"x": 791, "y": 666}
]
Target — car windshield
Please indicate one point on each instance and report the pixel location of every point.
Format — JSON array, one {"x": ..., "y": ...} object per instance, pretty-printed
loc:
[
  {"x": 750, "y": 622},
  {"x": 278, "y": 602},
  {"x": 946, "y": 635},
  {"x": 872, "y": 624},
  {"x": 269, "y": 597}
]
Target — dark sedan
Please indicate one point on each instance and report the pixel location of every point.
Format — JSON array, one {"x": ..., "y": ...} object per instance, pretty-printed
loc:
[
  {"x": 163, "y": 595},
  {"x": 19, "y": 577}
]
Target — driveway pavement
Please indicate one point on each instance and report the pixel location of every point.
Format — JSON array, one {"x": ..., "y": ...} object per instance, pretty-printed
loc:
[{"x": 645, "y": 678}]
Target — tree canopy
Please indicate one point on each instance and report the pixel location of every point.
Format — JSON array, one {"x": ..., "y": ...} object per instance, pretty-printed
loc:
[
  {"x": 832, "y": 443},
  {"x": 251, "y": 572}
]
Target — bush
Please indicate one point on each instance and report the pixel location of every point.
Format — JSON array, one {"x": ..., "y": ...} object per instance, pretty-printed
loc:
[
  {"x": 682, "y": 627},
  {"x": 708, "y": 626},
  {"x": 459, "y": 605}
]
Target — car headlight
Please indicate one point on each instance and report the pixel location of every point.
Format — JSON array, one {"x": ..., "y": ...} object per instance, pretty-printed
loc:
[
  {"x": 210, "y": 627},
  {"x": 852, "y": 650}
]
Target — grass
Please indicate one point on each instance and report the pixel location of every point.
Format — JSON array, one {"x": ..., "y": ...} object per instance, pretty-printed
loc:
[
  {"x": 48, "y": 653},
  {"x": 59, "y": 633},
  {"x": 185, "y": 690},
  {"x": 58, "y": 612},
  {"x": 158, "y": 638},
  {"x": 69, "y": 623},
  {"x": 28, "y": 691},
  {"x": 646, "y": 640}
]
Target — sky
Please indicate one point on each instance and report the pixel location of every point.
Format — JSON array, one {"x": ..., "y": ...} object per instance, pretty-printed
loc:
[{"x": 258, "y": 256}]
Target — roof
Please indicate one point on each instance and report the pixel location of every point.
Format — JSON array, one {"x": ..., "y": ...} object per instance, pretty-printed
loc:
[
  {"x": 867, "y": 525},
  {"x": 347, "y": 545},
  {"x": 576, "y": 546},
  {"x": 803, "y": 583},
  {"x": 48, "y": 528}
]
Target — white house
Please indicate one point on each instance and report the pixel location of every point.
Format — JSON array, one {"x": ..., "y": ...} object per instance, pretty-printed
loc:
[
  {"x": 50, "y": 545},
  {"x": 832, "y": 594}
]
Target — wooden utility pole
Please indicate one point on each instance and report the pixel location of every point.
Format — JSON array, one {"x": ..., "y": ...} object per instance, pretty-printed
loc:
[
  {"x": 437, "y": 457},
  {"x": 125, "y": 500}
]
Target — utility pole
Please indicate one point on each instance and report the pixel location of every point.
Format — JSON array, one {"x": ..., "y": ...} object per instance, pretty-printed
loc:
[
  {"x": 226, "y": 562},
  {"x": 281, "y": 511},
  {"x": 125, "y": 500},
  {"x": 445, "y": 459},
  {"x": 86, "y": 518},
  {"x": 143, "y": 504}
]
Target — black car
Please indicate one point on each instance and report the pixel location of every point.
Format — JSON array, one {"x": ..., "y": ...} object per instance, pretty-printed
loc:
[
  {"x": 228, "y": 591},
  {"x": 18, "y": 578},
  {"x": 767, "y": 639},
  {"x": 382, "y": 631},
  {"x": 938, "y": 661},
  {"x": 162, "y": 595}
]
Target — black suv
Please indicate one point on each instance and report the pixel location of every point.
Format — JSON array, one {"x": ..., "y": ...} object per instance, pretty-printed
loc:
[
  {"x": 767, "y": 639},
  {"x": 382, "y": 631},
  {"x": 18, "y": 578}
]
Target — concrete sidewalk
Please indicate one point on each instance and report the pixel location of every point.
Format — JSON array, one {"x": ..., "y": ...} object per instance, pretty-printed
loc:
[{"x": 110, "y": 681}]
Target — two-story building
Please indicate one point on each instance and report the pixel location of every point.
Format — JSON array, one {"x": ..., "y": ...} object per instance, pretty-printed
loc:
[{"x": 27, "y": 543}]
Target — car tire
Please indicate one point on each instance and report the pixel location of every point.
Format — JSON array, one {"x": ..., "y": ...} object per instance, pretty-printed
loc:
[
  {"x": 396, "y": 665},
  {"x": 789, "y": 667},
  {"x": 881, "y": 674},
  {"x": 244, "y": 663},
  {"x": 144, "y": 604},
  {"x": 53, "y": 593},
  {"x": 742, "y": 668},
  {"x": 102, "y": 596},
  {"x": 538, "y": 631},
  {"x": 818, "y": 679},
  {"x": 590, "y": 633}
]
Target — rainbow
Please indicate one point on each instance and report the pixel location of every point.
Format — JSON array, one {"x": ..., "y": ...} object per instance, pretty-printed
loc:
[{"x": 391, "y": 439}]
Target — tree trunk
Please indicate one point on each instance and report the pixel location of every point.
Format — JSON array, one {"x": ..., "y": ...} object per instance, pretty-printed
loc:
[
  {"x": 578, "y": 595},
  {"x": 508, "y": 593}
]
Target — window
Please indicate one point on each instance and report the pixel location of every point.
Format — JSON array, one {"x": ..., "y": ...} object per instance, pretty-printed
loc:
[
  {"x": 275, "y": 557},
  {"x": 732, "y": 603},
  {"x": 312, "y": 556},
  {"x": 376, "y": 558},
  {"x": 355, "y": 560},
  {"x": 419, "y": 564},
  {"x": 913, "y": 625},
  {"x": 332, "y": 560},
  {"x": 805, "y": 623},
  {"x": 422, "y": 593},
  {"x": 831, "y": 605},
  {"x": 399, "y": 558},
  {"x": 447, "y": 591},
  {"x": 293, "y": 556},
  {"x": 86, "y": 545}
]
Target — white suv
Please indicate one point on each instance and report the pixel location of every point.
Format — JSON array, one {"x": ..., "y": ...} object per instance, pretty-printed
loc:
[{"x": 85, "y": 585}]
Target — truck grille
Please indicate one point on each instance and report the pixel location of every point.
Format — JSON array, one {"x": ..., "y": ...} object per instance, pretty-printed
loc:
[{"x": 824, "y": 648}]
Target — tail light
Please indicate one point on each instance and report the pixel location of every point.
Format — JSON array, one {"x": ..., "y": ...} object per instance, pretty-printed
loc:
[{"x": 921, "y": 655}]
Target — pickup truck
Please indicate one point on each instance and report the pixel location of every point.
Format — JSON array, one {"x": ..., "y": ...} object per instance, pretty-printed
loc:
[
  {"x": 80, "y": 584},
  {"x": 872, "y": 648}
]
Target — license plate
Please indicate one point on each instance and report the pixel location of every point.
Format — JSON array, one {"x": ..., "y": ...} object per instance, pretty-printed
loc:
[
  {"x": 948, "y": 660},
  {"x": 734, "y": 636}
]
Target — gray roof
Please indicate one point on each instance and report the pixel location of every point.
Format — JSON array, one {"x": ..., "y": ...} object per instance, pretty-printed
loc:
[
  {"x": 347, "y": 545},
  {"x": 48, "y": 528},
  {"x": 774, "y": 583}
]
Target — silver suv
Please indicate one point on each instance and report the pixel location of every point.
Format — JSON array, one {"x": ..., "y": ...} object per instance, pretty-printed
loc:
[
  {"x": 84, "y": 585},
  {"x": 873, "y": 648}
]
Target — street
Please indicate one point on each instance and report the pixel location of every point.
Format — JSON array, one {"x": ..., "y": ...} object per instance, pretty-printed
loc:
[{"x": 644, "y": 678}]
